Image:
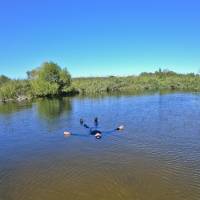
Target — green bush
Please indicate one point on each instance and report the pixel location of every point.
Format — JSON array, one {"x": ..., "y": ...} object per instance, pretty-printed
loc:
[
  {"x": 14, "y": 89},
  {"x": 50, "y": 80}
]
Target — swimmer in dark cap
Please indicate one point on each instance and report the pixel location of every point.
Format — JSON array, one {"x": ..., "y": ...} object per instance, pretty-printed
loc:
[{"x": 94, "y": 130}]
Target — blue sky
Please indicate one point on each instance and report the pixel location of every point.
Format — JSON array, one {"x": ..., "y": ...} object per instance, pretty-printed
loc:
[{"x": 99, "y": 37}]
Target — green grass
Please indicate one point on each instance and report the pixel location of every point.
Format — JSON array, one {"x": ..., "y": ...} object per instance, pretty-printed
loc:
[
  {"x": 158, "y": 81},
  {"x": 144, "y": 82},
  {"x": 14, "y": 89}
]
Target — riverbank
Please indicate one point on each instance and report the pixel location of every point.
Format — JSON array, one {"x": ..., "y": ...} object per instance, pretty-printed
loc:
[
  {"x": 22, "y": 90},
  {"x": 144, "y": 82}
]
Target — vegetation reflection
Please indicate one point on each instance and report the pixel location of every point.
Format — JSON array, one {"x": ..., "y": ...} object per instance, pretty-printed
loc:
[
  {"x": 53, "y": 108},
  {"x": 11, "y": 107}
]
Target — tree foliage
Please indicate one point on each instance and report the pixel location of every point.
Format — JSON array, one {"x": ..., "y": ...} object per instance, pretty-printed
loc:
[
  {"x": 50, "y": 80},
  {"x": 32, "y": 74}
]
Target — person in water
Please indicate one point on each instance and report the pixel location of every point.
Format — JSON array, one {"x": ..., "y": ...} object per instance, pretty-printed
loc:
[{"x": 94, "y": 130}]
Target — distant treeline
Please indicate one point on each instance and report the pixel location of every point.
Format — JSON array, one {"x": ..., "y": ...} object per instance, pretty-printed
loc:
[{"x": 50, "y": 80}]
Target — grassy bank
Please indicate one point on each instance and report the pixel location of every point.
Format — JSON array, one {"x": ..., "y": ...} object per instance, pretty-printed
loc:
[
  {"x": 50, "y": 80},
  {"x": 157, "y": 81}
]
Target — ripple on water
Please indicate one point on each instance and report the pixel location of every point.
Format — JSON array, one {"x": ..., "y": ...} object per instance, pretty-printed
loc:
[{"x": 156, "y": 157}]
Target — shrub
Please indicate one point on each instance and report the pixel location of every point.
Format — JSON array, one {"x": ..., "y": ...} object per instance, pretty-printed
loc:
[{"x": 50, "y": 80}]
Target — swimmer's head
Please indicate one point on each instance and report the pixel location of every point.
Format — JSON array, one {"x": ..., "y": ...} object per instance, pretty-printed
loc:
[{"x": 98, "y": 135}]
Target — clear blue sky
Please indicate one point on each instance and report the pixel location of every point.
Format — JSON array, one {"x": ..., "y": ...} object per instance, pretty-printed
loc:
[{"x": 100, "y": 37}]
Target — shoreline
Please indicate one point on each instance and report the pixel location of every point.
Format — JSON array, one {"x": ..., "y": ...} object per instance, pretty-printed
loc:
[
  {"x": 39, "y": 87},
  {"x": 24, "y": 98}
]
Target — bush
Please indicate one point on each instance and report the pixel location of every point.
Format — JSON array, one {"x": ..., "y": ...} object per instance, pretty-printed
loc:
[
  {"x": 50, "y": 80},
  {"x": 14, "y": 89}
]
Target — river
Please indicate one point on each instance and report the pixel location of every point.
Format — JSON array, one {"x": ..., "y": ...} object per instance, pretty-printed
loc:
[{"x": 156, "y": 157}]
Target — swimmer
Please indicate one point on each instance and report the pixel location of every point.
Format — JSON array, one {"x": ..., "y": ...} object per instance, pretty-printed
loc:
[
  {"x": 94, "y": 130},
  {"x": 97, "y": 133}
]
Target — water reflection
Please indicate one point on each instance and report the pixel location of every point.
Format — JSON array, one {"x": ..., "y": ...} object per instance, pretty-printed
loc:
[
  {"x": 51, "y": 109},
  {"x": 116, "y": 94},
  {"x": 12, "y": 107}
]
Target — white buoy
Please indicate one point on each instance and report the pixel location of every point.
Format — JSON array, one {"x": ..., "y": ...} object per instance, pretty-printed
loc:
[
  {"x": 120, "y": 128},
  {"x": 67, "y": 133}
]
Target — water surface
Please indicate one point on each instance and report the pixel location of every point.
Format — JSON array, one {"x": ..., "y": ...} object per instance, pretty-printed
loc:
[{"x": 157, "y": 156}]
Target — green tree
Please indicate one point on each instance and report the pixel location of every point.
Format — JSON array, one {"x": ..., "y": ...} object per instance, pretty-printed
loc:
[
  {"x": 50, "y": 80},
  {"x": 64, "y": 80},
  {"x": 49, "y": 72},
  {"x": 32, "y": 74}
]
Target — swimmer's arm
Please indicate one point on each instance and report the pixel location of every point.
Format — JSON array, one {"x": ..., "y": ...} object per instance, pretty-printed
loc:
[
  {"x": 67, "y": 134},
  {"x": 119, "y": 128}
]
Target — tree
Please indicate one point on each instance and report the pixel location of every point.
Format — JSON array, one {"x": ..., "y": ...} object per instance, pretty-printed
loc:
[
  {"x": 64, "y": 80},
  {"x": 49, "y": 72},
  {"x": 32, "y": 74},
  {"x": 50, "y": 80}
]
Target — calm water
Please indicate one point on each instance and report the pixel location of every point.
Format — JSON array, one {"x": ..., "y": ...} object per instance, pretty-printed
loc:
[{"x": 157, "y": 157}]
